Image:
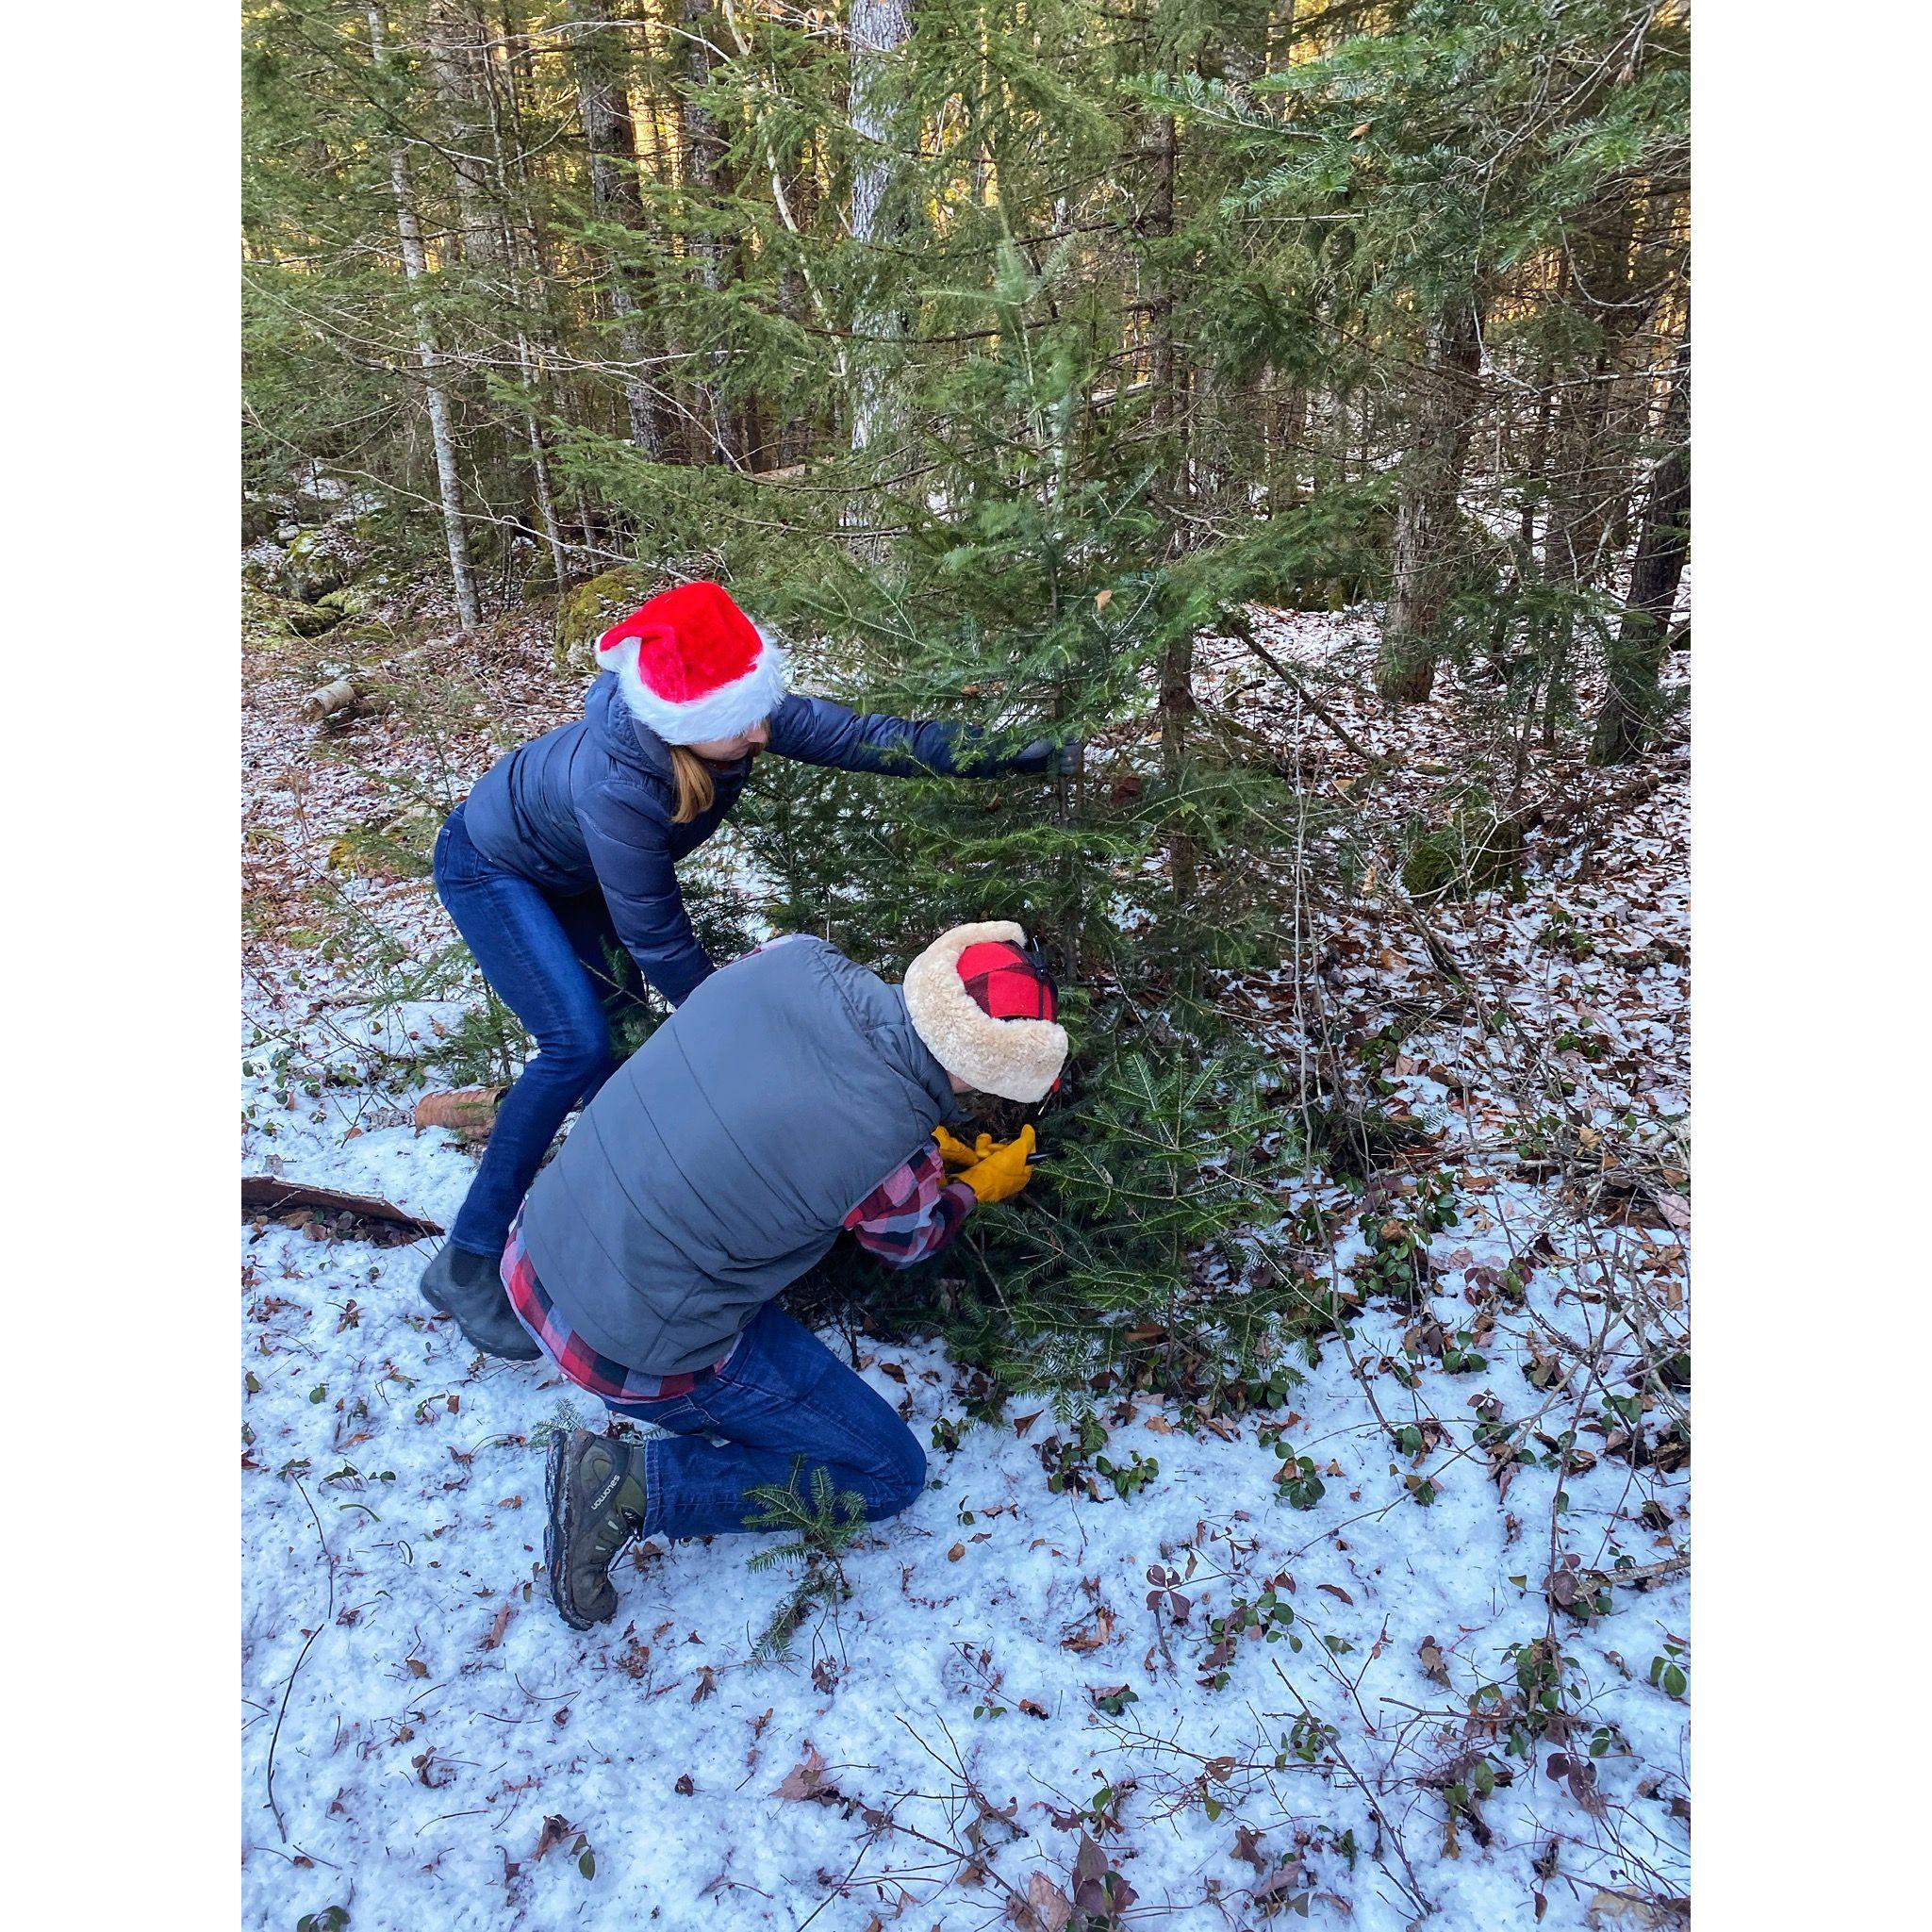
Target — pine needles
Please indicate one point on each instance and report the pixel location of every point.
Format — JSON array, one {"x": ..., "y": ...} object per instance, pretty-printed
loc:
[{"x": 817, "y": 1536}]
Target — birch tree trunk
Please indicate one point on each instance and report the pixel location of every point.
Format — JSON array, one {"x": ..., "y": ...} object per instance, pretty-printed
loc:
[
  {"x": 415, "y": 266},
  {"x": 877, "y": 31},
  {"x": 1442, "y": 408},
  {"x": 605, "y": 109},
  {"x": 458, "y": 50}
]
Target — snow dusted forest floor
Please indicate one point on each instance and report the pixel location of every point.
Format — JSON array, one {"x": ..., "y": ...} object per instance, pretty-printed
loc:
[{"x": 1410, "y": 1644}]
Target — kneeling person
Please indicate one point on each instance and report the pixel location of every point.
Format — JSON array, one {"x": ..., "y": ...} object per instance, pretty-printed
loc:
[{"x": 793, "y": 1093}]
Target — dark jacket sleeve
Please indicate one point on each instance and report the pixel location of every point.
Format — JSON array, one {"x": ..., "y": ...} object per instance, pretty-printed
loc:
[
  {"x": 627, "y": 833},
  {"x": 817, "y": 732}
]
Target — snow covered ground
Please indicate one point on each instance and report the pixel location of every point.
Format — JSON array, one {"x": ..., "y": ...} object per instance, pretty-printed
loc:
[{"x": 1210, "y": 1701}]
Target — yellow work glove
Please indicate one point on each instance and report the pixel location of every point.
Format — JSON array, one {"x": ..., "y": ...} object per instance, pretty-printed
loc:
[
  {"x": 1000, "y": 1174},
  {"x": 954, "y": 1151}
]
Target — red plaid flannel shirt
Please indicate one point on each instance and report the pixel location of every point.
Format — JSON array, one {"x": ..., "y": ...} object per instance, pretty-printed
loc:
[
  {"x": 613, "y": 1380},
  {"x": 913, "y": 1211},
  {"x": 912, "y": 1214}
]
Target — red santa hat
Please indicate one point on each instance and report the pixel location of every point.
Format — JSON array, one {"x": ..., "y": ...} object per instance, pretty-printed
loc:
[{"x": 693, "y": 666}]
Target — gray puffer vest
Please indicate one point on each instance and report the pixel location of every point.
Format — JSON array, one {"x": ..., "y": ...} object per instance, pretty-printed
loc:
[{"x": 717, "y": 1163}]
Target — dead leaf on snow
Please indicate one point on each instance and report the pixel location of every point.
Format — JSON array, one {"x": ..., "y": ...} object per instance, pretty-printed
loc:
[
  {"x": 1045, "y": 1906},
  {"x": 1635, "y": 1910},
  {"x": 556, "y": 1828},
  {"x": 1673, "y": 1207},
  {"x": 1283, "y": 1879},
  {"x": 808, "y": 1777},
  {"x": 1092, "y": 1891},
  {"x": 1093, "y": 1636},
  {"x": 498, "y": 1626}
]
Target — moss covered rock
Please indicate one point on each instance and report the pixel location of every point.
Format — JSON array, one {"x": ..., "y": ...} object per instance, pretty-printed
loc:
[
  {"x": 261, "y": 516},
  {"x": 269, "y": 615},
  {"x": 586, "y": 610},
  {"x": 1476, "y": 850},
  {"x": 311, "y": 570},
  {"x": 351, "y": 600}
]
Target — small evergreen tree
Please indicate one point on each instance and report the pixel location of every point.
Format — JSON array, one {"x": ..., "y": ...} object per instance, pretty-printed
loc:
[{"x": 817, "y": 1533}]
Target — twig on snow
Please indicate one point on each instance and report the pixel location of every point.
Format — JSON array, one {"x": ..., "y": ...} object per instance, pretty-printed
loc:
[{"x": 328, "y": 1617}]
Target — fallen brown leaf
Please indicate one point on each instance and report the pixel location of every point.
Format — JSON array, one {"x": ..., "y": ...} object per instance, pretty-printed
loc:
[
  {"x": 1096, "y": 1636},
  {"x": 808, "y": 1777}
]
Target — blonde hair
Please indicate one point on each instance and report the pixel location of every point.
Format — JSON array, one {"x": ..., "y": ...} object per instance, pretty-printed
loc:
[{"x": 696, "y": 788}]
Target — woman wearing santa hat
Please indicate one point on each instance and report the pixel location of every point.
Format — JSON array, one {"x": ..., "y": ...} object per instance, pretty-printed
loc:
[{"x": 568, "y": 849}]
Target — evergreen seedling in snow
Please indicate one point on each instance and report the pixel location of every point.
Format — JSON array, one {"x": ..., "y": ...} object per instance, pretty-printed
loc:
[{"x": 818, "y": 1535}]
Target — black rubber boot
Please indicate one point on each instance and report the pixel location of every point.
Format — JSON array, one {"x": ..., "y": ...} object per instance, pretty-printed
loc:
[
  {"x": 595, "y": 1489},
  {"x": 469, "y": 1287}
]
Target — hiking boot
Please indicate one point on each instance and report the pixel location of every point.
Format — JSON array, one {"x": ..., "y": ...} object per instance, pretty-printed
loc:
[
  {"x": 469, "y": 1287},
  {"x": 595, "y": 1489}
]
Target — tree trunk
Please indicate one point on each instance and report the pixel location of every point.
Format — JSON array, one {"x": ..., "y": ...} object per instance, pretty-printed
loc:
[
  {"x": 415, "y": 266},
  {"x": 1537, "y": 469},
  {"x": 1177, "y": 703},
  {"x": 704, "y": 166},
  {"x": 1442, "y": 408},
  {"x": 1593, "y": 473},
  {"x": 605, "y": 109},
  {"x": 458, "y": 50},
  {"x": 1289, "y": 430},
  {"x": 877, "y": 31},
  {"x": 796, "y": 198},
  {"x": 1636, "y": 658},
  {"x": 522, "y": 275}
]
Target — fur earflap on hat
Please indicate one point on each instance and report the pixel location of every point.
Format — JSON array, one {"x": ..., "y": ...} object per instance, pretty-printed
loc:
[
  {"x": 693, "y": 667},
  {"x": 1016, "y": 1059}
]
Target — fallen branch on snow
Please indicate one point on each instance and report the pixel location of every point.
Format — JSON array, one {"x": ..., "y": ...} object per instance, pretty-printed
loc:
[{"x": 264, "y": 1195}]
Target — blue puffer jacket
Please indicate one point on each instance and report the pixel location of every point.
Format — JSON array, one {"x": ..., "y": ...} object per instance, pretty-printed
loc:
[{"x": 591, "y": 803}]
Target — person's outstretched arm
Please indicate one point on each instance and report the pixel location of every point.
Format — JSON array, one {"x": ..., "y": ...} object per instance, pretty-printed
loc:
[{"x": 817, "y": 732}]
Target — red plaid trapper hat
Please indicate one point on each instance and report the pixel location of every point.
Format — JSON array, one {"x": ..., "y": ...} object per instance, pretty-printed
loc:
[
  {"x": 1007, "y": 982},
  {"x": 984, "y": 1004},
  {"x": 1010, "y": 982}
]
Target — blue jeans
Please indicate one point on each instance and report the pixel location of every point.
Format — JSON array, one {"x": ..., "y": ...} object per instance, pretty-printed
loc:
[
  {"x": 783, "y": 1406},
  {"x": 547, "y": 959}
]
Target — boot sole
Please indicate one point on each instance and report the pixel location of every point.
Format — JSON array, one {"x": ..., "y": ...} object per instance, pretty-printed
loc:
[{"x": 559, "y": 1525}]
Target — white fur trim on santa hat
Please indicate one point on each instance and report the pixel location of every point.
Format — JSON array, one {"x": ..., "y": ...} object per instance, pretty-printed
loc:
[
  {"x": 722, "y": 713},
  {"x": 1016, "y": 1059}
]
